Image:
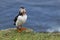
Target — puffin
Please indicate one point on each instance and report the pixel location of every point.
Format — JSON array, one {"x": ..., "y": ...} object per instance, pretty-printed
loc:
[{"x": 20, "y": 19}]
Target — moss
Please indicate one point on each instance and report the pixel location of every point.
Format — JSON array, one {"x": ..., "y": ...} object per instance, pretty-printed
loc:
[{"x": 12, "y": 34}]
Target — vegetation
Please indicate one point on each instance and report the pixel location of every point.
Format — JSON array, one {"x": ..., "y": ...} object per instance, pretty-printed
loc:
[{"x": 12, "y": 34}]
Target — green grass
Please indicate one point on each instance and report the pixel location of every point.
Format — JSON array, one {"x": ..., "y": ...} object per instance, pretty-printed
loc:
[{"x": 12, "y": 34}]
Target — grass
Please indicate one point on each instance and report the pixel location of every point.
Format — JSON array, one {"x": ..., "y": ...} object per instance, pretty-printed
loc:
[{"x": 12, "y": 34}]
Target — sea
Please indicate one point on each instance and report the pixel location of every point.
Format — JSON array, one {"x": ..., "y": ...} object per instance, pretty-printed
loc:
[{"x": 43, "y": 15}]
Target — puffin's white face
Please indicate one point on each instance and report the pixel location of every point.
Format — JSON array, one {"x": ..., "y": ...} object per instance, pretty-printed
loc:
[{"x": 22, "y": 10}]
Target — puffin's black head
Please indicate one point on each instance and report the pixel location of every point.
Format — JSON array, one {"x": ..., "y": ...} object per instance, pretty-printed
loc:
[
  {"x": 22, "y": 11},
  {"x": 22, "y": 7}
]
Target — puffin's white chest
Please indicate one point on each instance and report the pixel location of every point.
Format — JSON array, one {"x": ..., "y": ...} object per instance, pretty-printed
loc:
[{"x": 21, "y": 20}]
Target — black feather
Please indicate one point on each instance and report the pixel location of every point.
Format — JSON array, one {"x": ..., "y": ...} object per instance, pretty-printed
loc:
[{"x": 17, "y": 17}]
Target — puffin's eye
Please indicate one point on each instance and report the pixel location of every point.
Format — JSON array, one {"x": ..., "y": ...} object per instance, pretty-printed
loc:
[{"x": 24, "y": 10}]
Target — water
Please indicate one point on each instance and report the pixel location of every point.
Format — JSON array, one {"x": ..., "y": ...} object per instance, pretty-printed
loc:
[{"x": 43, "y": 15}]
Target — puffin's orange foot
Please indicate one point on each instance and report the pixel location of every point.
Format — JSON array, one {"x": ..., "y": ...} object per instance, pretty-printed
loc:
[
  {"x": 19, "y": 30},
  {"x": 23, "y": 29}
]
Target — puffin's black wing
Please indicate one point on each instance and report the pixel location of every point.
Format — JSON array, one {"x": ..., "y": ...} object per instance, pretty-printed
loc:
[{"x": 15, "y": 19}]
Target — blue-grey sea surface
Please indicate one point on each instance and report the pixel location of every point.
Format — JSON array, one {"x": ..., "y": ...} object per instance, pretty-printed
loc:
[{"x": 43, "y": 15}]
